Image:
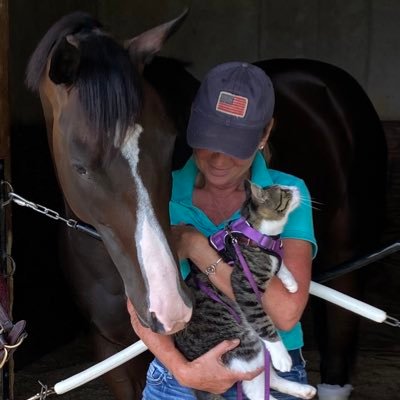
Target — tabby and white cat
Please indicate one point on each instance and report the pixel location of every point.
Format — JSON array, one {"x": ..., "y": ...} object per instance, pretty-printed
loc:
[{"x": 267, "y": 211}]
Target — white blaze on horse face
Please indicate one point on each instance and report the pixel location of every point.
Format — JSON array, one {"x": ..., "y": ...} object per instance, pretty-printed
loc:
[{"x": 155, "y": 258}]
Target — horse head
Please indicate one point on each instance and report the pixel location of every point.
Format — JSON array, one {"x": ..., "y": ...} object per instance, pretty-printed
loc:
[{"x": 112, "y": 140}]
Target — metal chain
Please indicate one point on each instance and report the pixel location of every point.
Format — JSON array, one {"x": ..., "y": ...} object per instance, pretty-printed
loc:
[
  {"x": 21, "y": 201},
  {"x": 43, "y": 394}
]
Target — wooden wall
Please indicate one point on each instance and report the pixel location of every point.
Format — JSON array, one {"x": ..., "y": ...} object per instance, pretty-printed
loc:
[{"x": 4, "y": 100}]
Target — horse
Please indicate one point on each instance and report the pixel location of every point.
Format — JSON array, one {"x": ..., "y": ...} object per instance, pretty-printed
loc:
[{"x": 111, "y": 140}]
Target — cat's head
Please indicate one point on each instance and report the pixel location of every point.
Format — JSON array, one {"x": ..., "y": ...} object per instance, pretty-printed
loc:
[{"x": 271, "y": 204}]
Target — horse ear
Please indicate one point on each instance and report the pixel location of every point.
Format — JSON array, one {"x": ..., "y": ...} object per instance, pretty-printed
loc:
[
  {"x": 65, "y": 62},
  {"x": 142, "y": 48}
]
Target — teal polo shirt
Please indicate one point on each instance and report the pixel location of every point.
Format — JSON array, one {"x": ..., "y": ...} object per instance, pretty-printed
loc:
[{"x": 299, "y": 225}]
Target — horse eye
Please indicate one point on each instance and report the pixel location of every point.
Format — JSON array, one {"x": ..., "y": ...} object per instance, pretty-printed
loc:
[{"x": 80, "y": 170}]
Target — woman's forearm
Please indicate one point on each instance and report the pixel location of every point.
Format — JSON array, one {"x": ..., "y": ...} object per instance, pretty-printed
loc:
[
  {"x": 193, "y": 245},
  {"x": 283, "y": 307}
]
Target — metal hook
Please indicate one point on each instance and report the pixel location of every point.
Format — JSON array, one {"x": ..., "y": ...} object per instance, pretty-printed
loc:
[
  {"x": 13, "y": 267},
  {"x": 4, "y": 360},
  {"x": 392, "y": 321},
  {"x": 232, "y": 237},
  {"x": 9, "y": 189}
]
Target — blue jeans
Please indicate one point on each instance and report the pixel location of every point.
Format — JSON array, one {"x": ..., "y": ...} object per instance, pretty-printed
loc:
[{"x": 161, "y": 385}]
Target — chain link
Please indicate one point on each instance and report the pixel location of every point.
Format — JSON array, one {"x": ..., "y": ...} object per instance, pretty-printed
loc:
[
  {"x": 44, "y": 392},
  {"x": 21, "y": 201}
]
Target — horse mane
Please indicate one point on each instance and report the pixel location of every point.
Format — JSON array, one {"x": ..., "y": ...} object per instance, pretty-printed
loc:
[{"x": 107, "y": 82}]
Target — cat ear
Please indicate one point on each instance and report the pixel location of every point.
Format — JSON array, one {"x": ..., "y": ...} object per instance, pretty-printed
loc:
[
  {"x": 256, "y": 191},
  {"x": 247, "y": 188}
]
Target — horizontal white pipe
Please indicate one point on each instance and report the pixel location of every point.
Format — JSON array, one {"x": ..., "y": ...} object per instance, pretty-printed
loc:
[
  {"x": 347, "y": 302},
  {"x": 101, "y": 368},
  {"x": 139, "y": 347}
]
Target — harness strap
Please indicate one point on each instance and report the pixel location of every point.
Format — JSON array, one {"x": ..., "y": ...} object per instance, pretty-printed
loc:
[
  {"x": 267, "y": 373},
  {"x": 272, "y": 244},
  {"x": 267, "y": 377},
  {"x": 246, "y": 270},
  {"x": 210, "y": 293},
  {"x": 239, "y": 391}
]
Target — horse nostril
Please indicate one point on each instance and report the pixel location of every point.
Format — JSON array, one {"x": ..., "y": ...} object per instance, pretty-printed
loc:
[{"x": 155, "y": 324}]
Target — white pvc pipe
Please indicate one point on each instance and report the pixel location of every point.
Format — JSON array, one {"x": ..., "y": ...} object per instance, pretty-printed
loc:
[
  {"x": 139, "y": 347},
  {"x": 101, "y": 368},
  {"x": 350, "y": 303}
]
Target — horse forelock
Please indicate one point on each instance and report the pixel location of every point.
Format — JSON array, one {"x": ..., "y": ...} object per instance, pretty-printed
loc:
[
  {"x": 109, "y": 91},
  {"x": 107, "y": 82},
  {"x": 67, "y": 25}
]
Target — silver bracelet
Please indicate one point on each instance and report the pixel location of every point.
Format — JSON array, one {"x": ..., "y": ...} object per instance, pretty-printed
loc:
[{"x": 212, "y": 268}]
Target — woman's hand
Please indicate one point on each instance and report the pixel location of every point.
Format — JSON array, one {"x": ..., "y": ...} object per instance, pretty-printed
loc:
[{"x": 207, "y": 372}]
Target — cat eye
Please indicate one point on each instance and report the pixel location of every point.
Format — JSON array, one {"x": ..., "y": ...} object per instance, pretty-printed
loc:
[
  {"x": 278, "y": 207},
  {"x": 283, "y": 202}
]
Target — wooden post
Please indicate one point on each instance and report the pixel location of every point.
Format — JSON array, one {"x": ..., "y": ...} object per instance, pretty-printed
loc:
[
  {"x": 6, "y": 285},
  {"x": 4, "y": 104}
]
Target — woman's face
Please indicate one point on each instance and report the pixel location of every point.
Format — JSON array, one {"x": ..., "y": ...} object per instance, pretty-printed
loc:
[{"x": 220, "y": 170}]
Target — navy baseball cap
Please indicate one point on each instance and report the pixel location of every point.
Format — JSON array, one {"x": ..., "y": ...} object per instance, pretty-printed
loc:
[{"x": 233, "y": 105}]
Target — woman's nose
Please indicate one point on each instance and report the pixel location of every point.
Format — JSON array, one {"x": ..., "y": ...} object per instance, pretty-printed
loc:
[{"x": 219, "y": 159}]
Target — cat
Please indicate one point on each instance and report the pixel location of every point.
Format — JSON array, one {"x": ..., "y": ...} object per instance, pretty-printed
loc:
[{"x": 266, "y": 210}]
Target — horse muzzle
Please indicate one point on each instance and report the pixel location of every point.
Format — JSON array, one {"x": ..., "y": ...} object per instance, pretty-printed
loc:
[
  {"x": 169, "y": 328},
  {"x": 157, "y": 326}
]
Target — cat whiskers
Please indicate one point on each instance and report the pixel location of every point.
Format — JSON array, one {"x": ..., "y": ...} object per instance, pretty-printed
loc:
[{"x": 311, "y": 203}]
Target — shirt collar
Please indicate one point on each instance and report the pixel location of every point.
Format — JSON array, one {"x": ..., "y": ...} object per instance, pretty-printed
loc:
[{"x": 185, "y": 178}]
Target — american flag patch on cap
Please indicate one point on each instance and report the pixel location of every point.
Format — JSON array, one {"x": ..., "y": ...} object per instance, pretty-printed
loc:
[{"x": 232, "y": 104}]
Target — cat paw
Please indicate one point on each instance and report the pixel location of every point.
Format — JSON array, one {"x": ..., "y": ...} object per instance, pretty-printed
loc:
[
  {"x": 287, "y": 279},
  {"x": 295, "y": 389},
  {"x": 306, "y": 392},
  {"x": 292, "y": 287},
  {"x": 280, "y": 357}
]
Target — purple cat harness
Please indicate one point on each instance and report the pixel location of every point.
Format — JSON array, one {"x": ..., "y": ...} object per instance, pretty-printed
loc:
[
  {"x": 239, "y": 229},
  {"x": 270, "y": 244},
  {"x": 273, "y": 245}
]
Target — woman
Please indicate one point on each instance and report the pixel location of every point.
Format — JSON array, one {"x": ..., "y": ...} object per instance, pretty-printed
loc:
[{"x": 231, "y": 121}]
